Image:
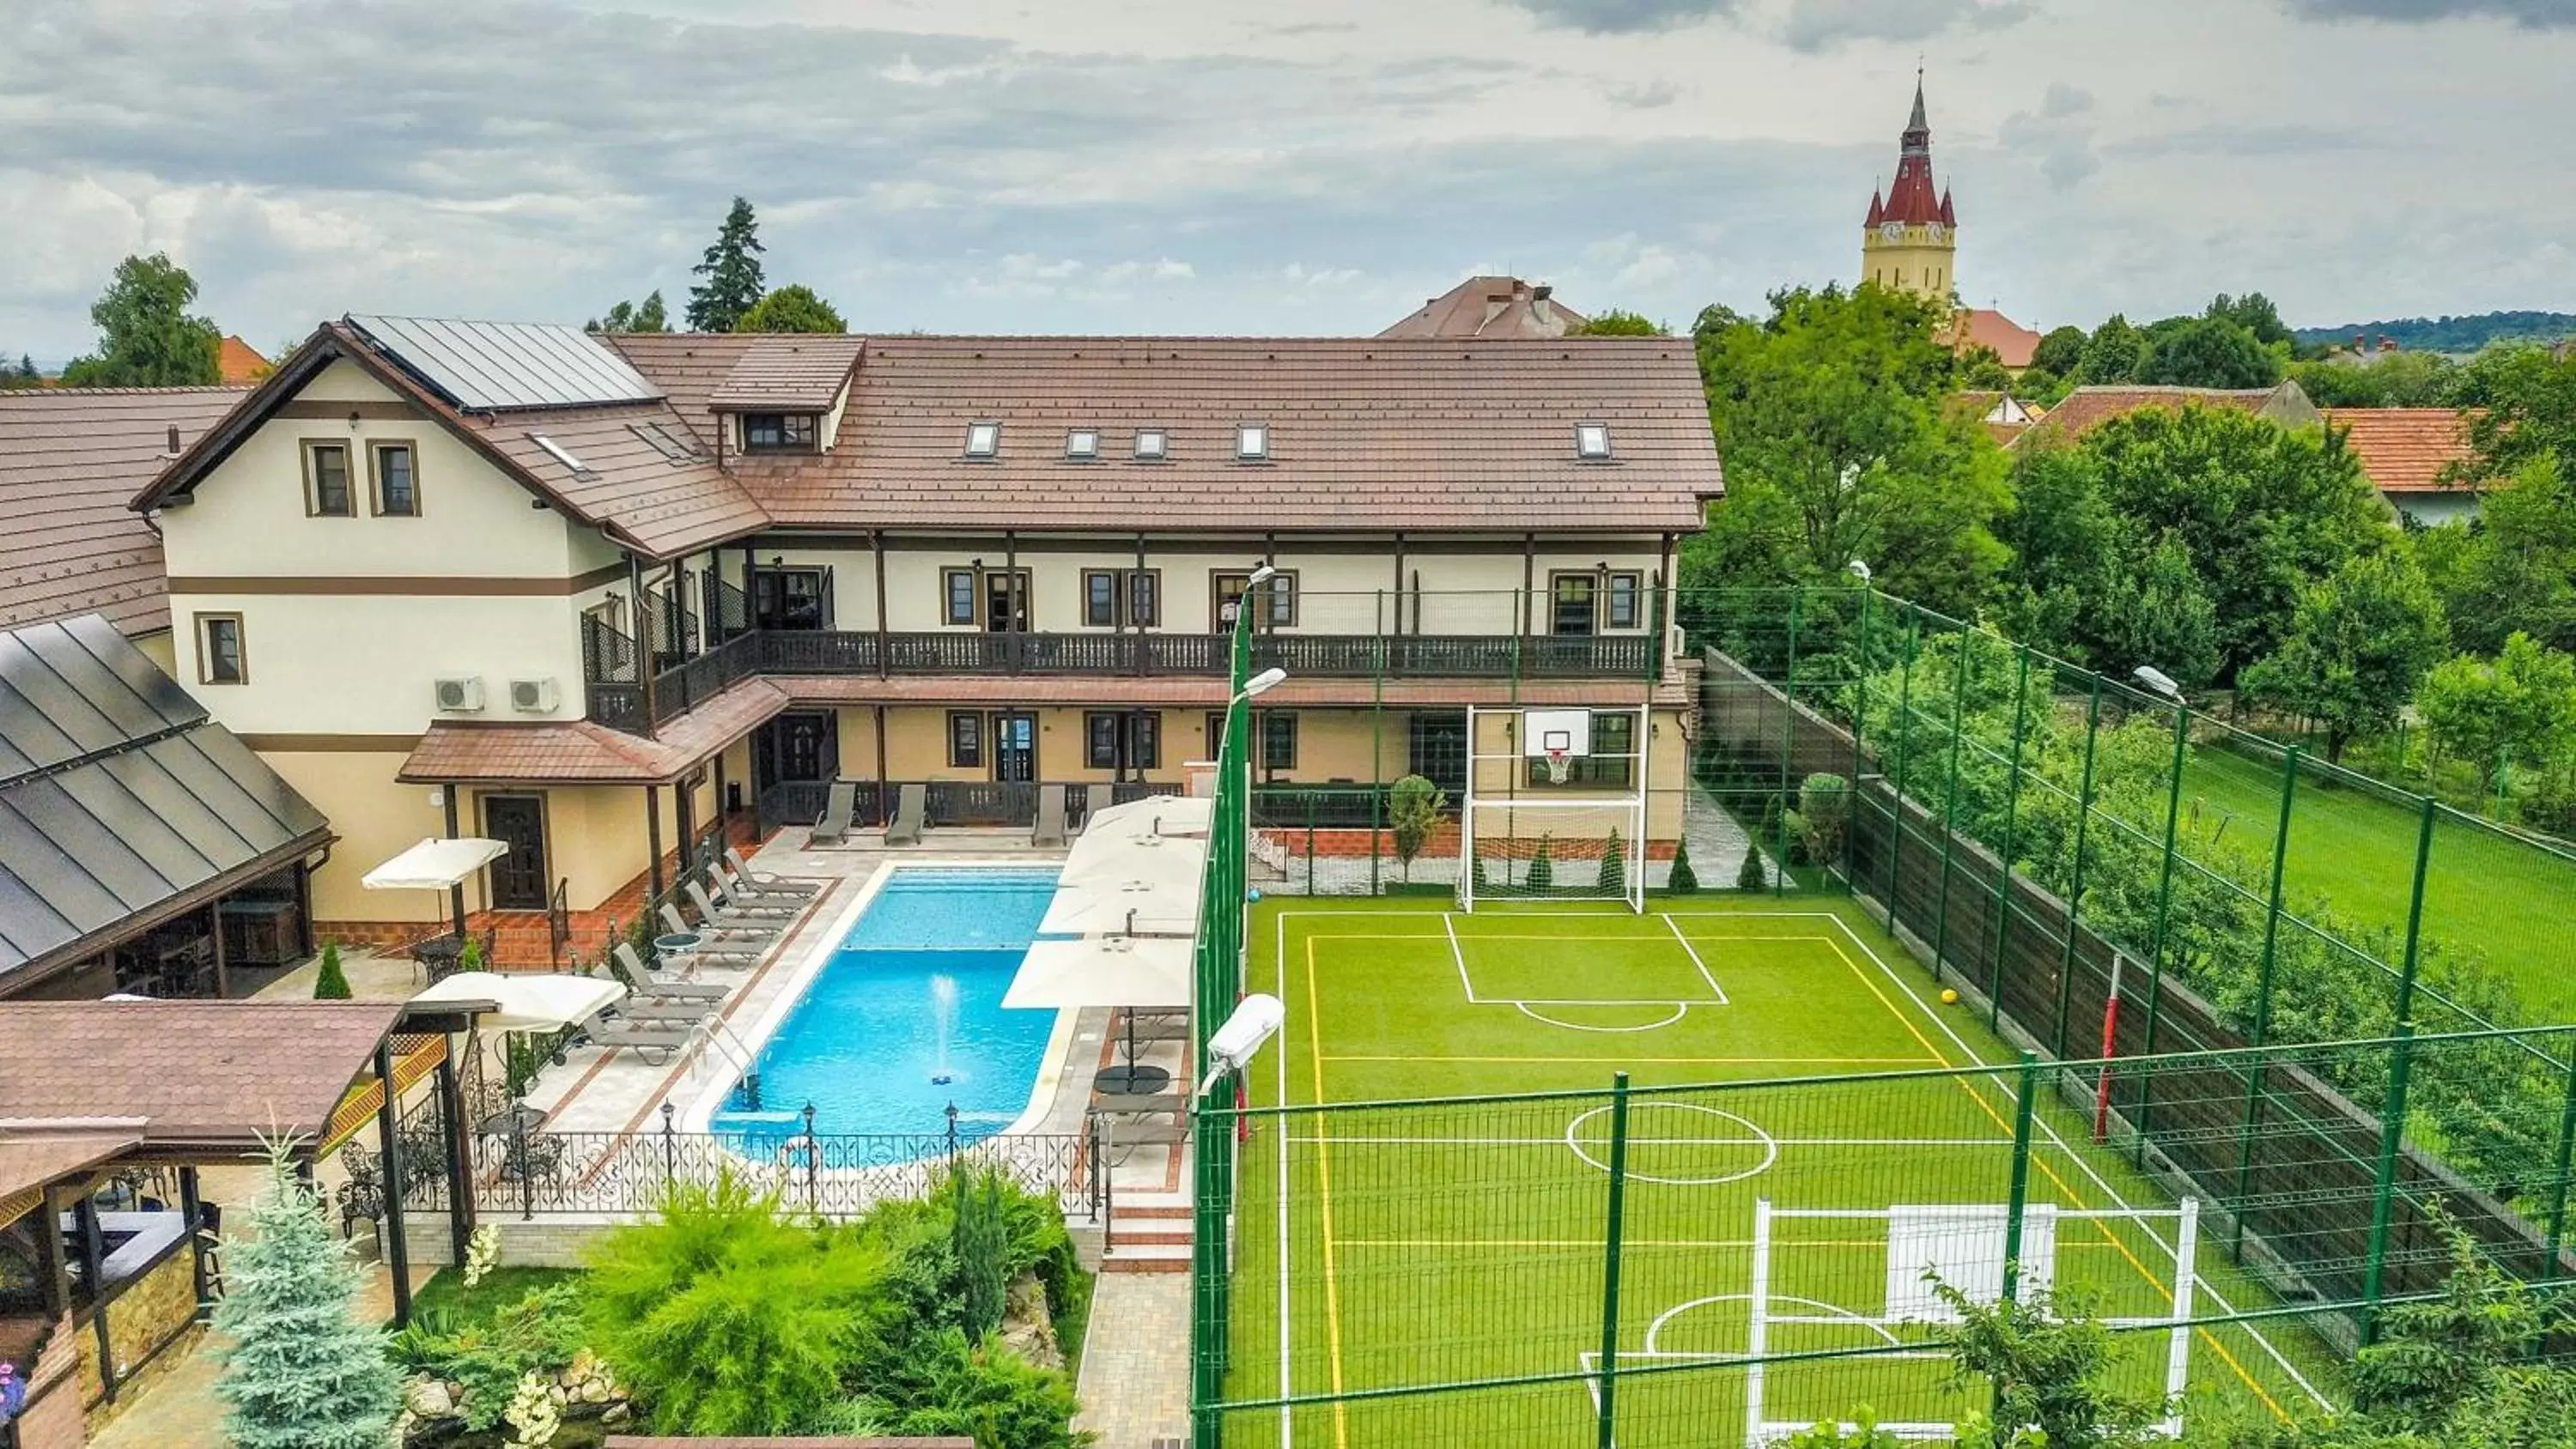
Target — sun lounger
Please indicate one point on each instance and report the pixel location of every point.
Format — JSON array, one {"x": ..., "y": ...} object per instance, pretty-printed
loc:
[
  {"x": 646, "y": 1011},
  {"x": 653, "y": 1043},
  {"x": 748, "y": 907},
  {"x": 833, "y": 824},
  {"x": 728, "y": 920},
  {"x": 911, "y": 804},
  {"x": 1050, "y": 826},
  {"x": 715, "y": 942},
  {"x": 645, "y": 982},
  {"x": 761, "y": 880}
]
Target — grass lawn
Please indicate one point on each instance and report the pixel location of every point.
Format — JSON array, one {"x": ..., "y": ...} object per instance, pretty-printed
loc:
[
  {"x": 1412, "y": 1244},
  {"x": 446, "y": 1292},
  {"x": 2486, "y": 892}
]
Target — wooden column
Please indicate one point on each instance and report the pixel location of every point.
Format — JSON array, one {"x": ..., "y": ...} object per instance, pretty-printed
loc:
[
  {"x": 223, "y": 967},
  {"x": 192, "y": 1211},
  {"x": 885, "y": 796},
  {"x": 885, "y": 643},
  {"x": 684, "y": 809},
  {"x": 389, "y": 1137},
  {"x": 93, "y": 1251},
  {"x": 653, "y": 840},
  {"x": 460, "y": 1156},
  {"x": 643, "y": 639},
  {"x": 1013, "y": 613},
  {"x": 1529, "y": 596},
  {"x": 456, "y": 892},
  {"x": 1144, "y": 647}
]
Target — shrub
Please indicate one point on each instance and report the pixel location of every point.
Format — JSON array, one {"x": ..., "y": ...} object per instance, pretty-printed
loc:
[
  {"x": 981, "y": 1241},
  {"x": 1750, "y": 876},
  {"x": 539, "y": 1334},
  {"x": 997, "y": 1398},
  {"x": 332, "y": 982},
  {"x": 1614, "y": 865},
  {"x": 1683, "y": 880},
  {"x": 1542, "y": 867},
  {"x": 1413, "y": 806},
  {"x": 1823, "y": 814}
]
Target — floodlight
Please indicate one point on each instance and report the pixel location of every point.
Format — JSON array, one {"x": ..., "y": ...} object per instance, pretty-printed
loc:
[
  {"x": 2157, "y": 680},
  {"x": 1262, "y": 683},
  {"x": 1859, "y": 570},
  {"x": 1255, "y": 1021},
  {"x": 1260, "y": 576}
]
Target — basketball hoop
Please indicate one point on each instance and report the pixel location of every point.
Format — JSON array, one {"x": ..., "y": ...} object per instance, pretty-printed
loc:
[{"x": 1559, "y": 762}]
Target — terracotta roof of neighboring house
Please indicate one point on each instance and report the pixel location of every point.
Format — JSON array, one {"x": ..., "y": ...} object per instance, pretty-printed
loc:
[
  {"x": 2403, "y": 450},
  {"x": 208, "y": 1074},
  {"x": 793, "y": 373},
  {"x": 1986, "y": 327},
  {"x": 35, "y": 1152},
  {"x": 2087, "y": 408},
  {"x": 626, "y": 484},
  {"x": 1491, "y": 307},
  {"x": 238, "y": 364},
  {"x": 69, "y": 460},
  {"x": 1363, "y": 434},
  {"x": 579, "y": 751}
]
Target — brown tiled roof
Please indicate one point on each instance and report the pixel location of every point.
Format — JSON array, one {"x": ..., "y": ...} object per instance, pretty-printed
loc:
[
  {"x": 577, "y": 751},
  {"x": 204, "y": 1073},
  {"x": 1364, "y": 434},
  {"x": 33, "y": 1153},
  {"x": 1985, "y": 327},
  {"x": 2087, "y": 408},
  {"x": 801, "y": 373},
  {"x": 2403, "y": 450},
  {"x": 1489, "y": 307},
  {"x": 69, "y": 460},
  {"x": 238, "y": 364}
]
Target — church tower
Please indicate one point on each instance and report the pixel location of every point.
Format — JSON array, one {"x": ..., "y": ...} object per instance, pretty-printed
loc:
[{"x": 1912, "y": 236}]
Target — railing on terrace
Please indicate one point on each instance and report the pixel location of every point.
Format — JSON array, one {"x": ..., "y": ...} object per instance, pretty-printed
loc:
[{"x": 953, "y": 803}]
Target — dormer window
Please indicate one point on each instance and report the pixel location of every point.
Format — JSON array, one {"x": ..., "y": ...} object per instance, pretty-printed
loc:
[
  {"x": 1592, "y": 442},
  {"x": 983, "y": 440},
  {"x": 1252, "y": 442},
  {"x": 1153, "y": 445},
  {"x": 778, "y": 432},
  {"x": 1082, "y": 444}
]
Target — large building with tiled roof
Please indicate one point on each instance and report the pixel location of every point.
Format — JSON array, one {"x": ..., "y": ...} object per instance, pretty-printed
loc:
[
  {"x": 2087, "y": 408},
  {"x": 589, "y": 594},
  {"x": 1491, "y": 307},
  {"x": 2409, "y": 455},
  {"x": 71, "y": 459}
]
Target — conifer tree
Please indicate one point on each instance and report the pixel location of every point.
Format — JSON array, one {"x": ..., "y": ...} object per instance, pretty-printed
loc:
[
  {"x": 300, "y": 1371},
  {"x": 1542, "y": 867},
  {"x": 1614, "y": 865},
  {"x": 731, "y": 266},
  {"x": 331, "y": 983},
  {"x": 1749, "y": 876},
  {"x": 1684, "y": 880}
]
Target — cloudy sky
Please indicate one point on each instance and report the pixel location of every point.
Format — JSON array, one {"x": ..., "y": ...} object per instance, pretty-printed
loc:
[{"x": 1279, "y": 166}]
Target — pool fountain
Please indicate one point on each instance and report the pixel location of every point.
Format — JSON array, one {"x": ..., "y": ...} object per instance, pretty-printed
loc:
[{"x": 943, "y": 1017}]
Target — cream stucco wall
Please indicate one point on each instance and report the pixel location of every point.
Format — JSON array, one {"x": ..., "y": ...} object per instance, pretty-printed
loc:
[
  {"x": 375, "y": 818},
  {"x": 367, "y": 664}
]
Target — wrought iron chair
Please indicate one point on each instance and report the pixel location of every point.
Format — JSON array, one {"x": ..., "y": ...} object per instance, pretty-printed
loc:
[{"x": 362, "y": 1197}]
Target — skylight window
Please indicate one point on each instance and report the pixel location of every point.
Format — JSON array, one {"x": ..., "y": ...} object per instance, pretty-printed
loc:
[
  {"x": 1592, "y": 441},
  {"x": 983, "y": 440},
  {"x": 1252, "y": 442},
  {"x": 1153, "y": 444},
  {"x": 1082, "y": 444},
  {"x": 563, "y": 455}
]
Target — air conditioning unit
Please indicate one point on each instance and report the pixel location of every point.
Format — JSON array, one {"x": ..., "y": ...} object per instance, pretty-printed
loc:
[
  {"x": 460, "y": 694},
  {"x": 532, "y": 696},
  {"x": 1675, "y": 642}
]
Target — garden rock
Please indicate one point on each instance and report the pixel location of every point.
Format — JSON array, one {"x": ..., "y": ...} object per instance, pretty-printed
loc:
[
  {"x": 429, "y": 1398},
  {"x": 1027, "y": 1328}
]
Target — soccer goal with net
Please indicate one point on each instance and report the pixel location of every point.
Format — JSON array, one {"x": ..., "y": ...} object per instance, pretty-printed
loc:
[{"x": 1555, "y": 805}]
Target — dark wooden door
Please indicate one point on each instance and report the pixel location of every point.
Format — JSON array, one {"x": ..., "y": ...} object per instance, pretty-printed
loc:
[
  {"x": 518, "y": 878},
  {"x": 1436, "y": 748},
  {"x": 1015, "y": 748}
]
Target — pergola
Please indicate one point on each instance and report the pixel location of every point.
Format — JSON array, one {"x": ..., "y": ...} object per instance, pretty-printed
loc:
[{"x": 88, "y": 1087}]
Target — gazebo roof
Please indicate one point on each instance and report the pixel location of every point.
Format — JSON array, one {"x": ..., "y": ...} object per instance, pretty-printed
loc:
[
  {"x": 203, "y": 1076},
  {"x": 33, "y": 1154}
]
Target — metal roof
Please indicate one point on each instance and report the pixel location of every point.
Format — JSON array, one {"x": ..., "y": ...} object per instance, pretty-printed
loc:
[
  {"x": 495, "y": 366},
  {"x": 118, "y": 795}
]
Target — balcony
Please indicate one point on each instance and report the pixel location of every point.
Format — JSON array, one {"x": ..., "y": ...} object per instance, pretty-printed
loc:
[{"x": 620, "y": 702}]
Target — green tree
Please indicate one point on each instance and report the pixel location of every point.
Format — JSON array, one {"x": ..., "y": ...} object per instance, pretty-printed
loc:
[
  {"x": 1831, "y": 415},
  {"x": 645, "y": 316},
  {"x": 2255, "y": 313},
  {"x": 2052, "y": 1368},
  {"x": 2060, "y": 352},
  {"x": 2515, "y": 571},
  {"x": 1749, "y": 874},
  {"x": 792, "y": 308},
  {"x": 22, "y": 375},
  {"x": 331, "y": 983},
  {"x": 2489, "y": 713},
  {"x": 2528, "y": 397},
  {"x": 299, "y": 1370},
  {"x": 1542, "y": 867},
  {"x": 1614, "y": 865},
  {"x": 1413, "y": 806},
  {"x": 1824, "y": 811},
  {"x": 1683, "y": 881},
  {"x": 2358, "y": 646},
  {"x": 2114, "y": 353},
  {"x": 147, "y": 338},
  {"x": 2211, "y": 352},
  {"x": 731, "y": 267},
  {"x": 1983, "y": 368},
  {"x": 2150, "y": 608},
  {"x": 1615, "y": 323}
]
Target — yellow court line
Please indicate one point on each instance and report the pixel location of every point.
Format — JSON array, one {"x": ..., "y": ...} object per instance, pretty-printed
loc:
[
  {"x": 1324, "y": 1197},
  {"x": 1654, "y": 1061},
  {"x": 2064, "y": 1186}
]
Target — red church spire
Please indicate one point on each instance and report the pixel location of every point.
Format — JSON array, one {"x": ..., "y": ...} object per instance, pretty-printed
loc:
[{"x": 1914, "y": 200}]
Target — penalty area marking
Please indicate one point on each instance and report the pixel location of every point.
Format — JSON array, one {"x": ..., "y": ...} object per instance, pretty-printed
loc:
[
  {"x": 1680, "y": 1010},
  {"x": 1526, "y": 1005}
]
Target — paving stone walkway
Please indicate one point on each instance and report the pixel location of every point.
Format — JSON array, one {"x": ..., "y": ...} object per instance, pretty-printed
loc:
[{"x": 1136, "y": 1365}]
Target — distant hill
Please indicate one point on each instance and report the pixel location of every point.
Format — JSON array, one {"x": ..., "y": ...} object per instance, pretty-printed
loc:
[{"x": 2450, "y": 334}]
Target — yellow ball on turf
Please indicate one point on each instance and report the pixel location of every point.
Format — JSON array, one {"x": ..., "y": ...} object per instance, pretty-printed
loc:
[{"x": 1949, "y": 998}]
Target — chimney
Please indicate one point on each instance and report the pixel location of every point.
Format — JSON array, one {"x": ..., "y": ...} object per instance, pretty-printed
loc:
[
  {"x": 173, "y": 450},
  {"x": 2387, "y": 343},
  {"x": 1540, "y": 307},
  {"x": 2361, "y": 342}
]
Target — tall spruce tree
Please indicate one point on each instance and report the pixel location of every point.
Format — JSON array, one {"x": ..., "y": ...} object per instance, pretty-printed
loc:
[
  {"x": 734, "y": 284},
  {"x": 300, "y": 1372}
]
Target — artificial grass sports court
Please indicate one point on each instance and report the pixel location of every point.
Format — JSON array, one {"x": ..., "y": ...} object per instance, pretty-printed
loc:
[{"x": 1428, "y": 1244}]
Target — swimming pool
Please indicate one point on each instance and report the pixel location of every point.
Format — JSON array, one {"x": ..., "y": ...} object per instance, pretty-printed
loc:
[{"x": 903, "y": 1018}]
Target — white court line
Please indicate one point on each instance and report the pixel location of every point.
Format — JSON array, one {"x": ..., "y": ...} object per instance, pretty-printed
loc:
[
  {"x": 1287, "y": 1385},
  {"x": 1559, "y": 1141},
  {"x": 1704, "y": 973},
  {"x": 1455, "y": 954},
  {"x": 2082, "y": 1165},
  {"x": 1680, "y": 1009}
]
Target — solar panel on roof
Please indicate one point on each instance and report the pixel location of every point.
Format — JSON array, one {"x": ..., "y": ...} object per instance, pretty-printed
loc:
[{"x": 496, "y": 366}]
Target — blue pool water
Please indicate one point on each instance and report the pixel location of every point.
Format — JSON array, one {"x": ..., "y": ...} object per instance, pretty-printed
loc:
[{"x": 861, "y": 1045}]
